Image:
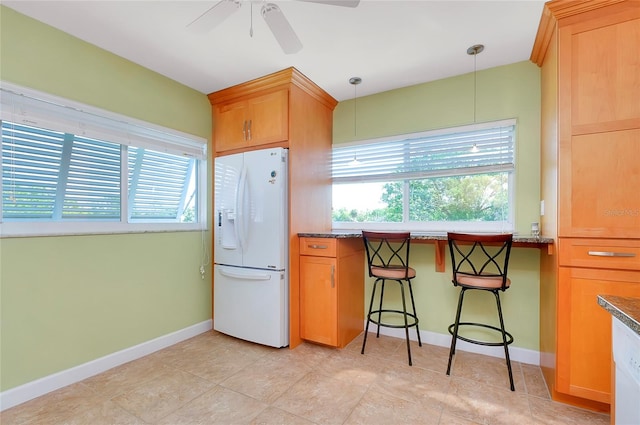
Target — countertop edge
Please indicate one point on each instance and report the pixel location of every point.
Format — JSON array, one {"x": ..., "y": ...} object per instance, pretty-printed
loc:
[
  {"x": 419, "y": 236},
  {"x": 625, "y": 309}
]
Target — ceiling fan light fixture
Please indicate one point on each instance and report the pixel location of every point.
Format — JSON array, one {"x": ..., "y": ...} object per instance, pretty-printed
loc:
[
  {"x": 281, "y": 29},
  {"x": 214, "y": 16}
]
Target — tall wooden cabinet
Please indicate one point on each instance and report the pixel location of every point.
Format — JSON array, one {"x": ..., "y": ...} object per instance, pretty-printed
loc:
[
  {"x": 589, "y": 53},
  {"x": 284, "y": 109}
]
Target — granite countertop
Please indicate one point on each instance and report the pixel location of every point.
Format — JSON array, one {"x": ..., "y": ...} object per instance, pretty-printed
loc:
[
  {"x": 625, "y": 309},
  {"x": 434, "y": 236}
]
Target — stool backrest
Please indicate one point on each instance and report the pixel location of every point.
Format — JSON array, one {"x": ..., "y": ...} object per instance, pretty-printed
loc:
[
  {"x": 388, "y": 250},
  {"x": 480, "y": 255}
]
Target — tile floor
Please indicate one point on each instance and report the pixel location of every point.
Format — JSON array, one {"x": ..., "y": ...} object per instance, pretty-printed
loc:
[{"x": 216, "y": 379}]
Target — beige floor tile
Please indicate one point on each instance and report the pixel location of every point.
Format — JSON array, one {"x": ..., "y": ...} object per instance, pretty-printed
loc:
[
  {"x": 534, "y": 381},
  {"x": 274, "y": 416},
  {"x": 487, "y": 405},
  {"x": 321, "y": 399},
  {"x": 107, "y": 413},
  {"x": 414, "y": 384},
  {"x": 552, "y": 413},
  {"x": 218, "y": 406},
  {"x": 384, "y": 346},
  {"x": 384, "y": 409},
  {"x": 217, "y": 364},
  {"x": 53, "y": 408},
  {"x": 448, "y": 419},
  {"x": 163, "y": 394},
  {"x": 267, "y": 378},
  {"x": 353, "y": 368},
  {"x": 428, "y": 356},
  {"x": 488, "y": 370},
  {"x": 307, "y": 355},
  {"x": 124, "y": 378}
]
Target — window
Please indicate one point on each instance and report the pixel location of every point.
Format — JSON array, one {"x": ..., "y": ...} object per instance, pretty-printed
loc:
[
  {"x": 452, "y": 179},
  {"x": 72, "y": 170}
]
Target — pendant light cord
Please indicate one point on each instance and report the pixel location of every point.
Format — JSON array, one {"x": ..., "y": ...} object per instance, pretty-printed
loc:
[
  {"x": 475, "y": 86},
  {"x": 475, "y": 50}
]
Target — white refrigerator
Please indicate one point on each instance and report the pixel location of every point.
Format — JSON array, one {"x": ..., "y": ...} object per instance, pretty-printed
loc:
[{"x": 251, "y": 247}]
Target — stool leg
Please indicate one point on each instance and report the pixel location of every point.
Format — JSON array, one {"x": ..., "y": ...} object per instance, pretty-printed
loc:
[
  {"x": 366, "y": 328},
  {"x": 406, "y": 322},
  {"x": 504, "y": 340},
  {"x": 380, "y": 308},
  {"x": 454, "y": 338},
  {"x": 413, "y": 304}
]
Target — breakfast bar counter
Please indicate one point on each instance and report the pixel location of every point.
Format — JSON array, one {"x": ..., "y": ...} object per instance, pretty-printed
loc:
[{"x": 439, "y": 239}]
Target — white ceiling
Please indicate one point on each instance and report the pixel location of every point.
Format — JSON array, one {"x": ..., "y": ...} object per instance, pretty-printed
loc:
[{"x": 389, "y": 44}]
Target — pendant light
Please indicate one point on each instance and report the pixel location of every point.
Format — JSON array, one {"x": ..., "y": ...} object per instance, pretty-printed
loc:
[
  {"x": 475, "y": 50},
  {"x": 354, "y": 81}
]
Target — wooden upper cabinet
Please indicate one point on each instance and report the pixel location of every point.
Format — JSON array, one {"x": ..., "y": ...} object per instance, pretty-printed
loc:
[
  {"x": 599, "y": 124},
  {"x": 601, "y": 177},
  {"x": 603, "y": 57},
  {"x": 277, "y": 110},
  {"x": 250, "y": 122}
]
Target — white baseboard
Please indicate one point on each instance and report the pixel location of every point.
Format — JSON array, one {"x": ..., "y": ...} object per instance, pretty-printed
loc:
[
  {"x": 33, "y": 389},
  {"x": 522, "y": 355}
]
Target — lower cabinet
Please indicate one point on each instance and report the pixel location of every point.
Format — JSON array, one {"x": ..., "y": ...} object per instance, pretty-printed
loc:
[
  {"x": 331, "y": 290},
  {"x": 588, "y": 268}
]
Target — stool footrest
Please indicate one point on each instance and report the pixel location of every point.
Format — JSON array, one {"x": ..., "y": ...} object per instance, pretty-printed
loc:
[
  {"x": 412, "y": 320},
  {"x": 478, "y": 342}
]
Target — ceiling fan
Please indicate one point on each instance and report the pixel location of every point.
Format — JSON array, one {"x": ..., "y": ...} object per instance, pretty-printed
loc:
[{"x": 271, "y": 13}]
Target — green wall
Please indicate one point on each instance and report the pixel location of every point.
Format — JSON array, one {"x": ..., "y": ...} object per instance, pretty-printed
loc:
[
  {"x": 67, "y": 300},
  {"x": 511, "y": 91}
]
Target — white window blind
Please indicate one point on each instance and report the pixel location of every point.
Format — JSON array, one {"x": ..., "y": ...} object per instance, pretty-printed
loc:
[
  {"x": 29, "y": 107},
  {"x": 466, "y": 150},
  {"x": 64, "y": 167},
  {"x": 158, "y": 184}
]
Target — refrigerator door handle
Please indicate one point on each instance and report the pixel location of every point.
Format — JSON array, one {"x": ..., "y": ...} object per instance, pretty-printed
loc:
[
  {"x": 240, "y": 210},
  {"x": 243, "y": 276}
]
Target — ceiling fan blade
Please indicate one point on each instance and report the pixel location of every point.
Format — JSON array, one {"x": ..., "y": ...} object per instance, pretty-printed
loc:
[
  {"x": 345, "y": 3},
  {"x": 214, "y": 16},
  {"x": 281, "y": 29}
]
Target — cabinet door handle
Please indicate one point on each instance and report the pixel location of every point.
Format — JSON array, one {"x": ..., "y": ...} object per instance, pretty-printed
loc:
[
  {"x": 611, "y": 254},
  {"x": 314, "y": 246},
  {"x": 244, "y": 130},
  {"x": 249, "y": 130},
  {"x": 333, "y": 276}
]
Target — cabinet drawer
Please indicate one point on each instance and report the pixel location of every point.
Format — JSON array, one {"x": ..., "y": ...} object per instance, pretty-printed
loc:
[
  {"x": 321, "y": 247},
  {"x": 616, "y": 254}
]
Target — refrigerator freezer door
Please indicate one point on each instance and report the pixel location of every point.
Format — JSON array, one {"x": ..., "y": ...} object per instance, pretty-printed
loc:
[
  {"x": 227, "y": 249},
  {"x": 252, "y": 305},
  {"x": 264, "y": 231}
]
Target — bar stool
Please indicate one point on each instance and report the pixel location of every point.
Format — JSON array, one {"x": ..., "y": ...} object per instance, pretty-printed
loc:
[
  {"x": 480, "y": 262},
  {"x": 388, "y": 259}
]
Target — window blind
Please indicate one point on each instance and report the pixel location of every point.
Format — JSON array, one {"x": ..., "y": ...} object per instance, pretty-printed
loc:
[
  {"x": 158, "y": 184},
  {"x": 464, "y": 150},
  {"x": 29, "y": 107}
]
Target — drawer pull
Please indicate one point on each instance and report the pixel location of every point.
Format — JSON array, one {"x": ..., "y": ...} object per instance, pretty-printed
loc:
[
  {"x": 611, "y": 254},
  {"x": 314, "y": 246}
]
